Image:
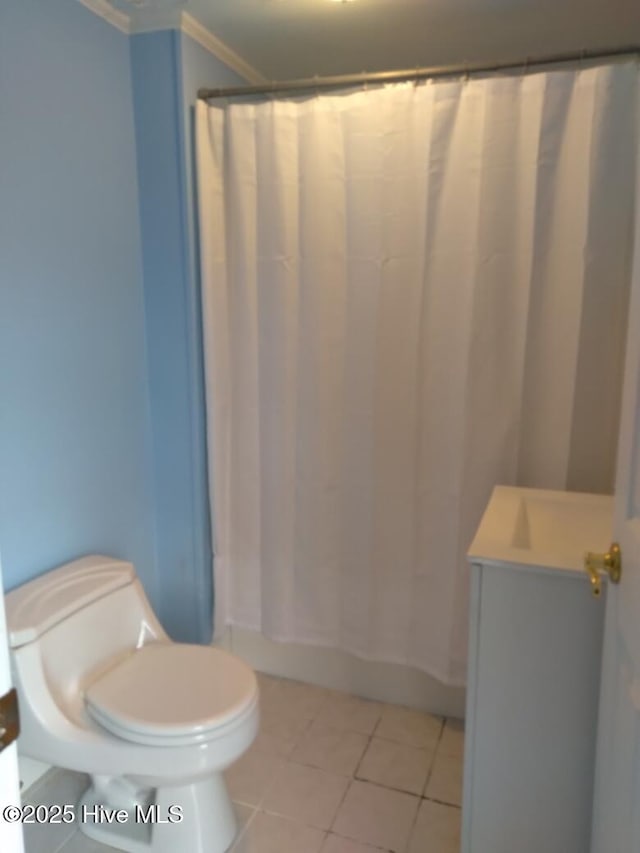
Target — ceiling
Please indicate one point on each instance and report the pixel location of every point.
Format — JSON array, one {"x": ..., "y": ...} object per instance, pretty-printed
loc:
[{"x": 285, "y": 39}]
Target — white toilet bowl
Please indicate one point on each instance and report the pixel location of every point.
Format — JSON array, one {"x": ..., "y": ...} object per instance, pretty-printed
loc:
[{"x": 104, "y": 691}]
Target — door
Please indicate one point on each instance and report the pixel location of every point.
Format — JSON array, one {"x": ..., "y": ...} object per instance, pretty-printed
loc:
[
  {"x": 10, "y": 833},
  {"x": 616, "y": 813}
]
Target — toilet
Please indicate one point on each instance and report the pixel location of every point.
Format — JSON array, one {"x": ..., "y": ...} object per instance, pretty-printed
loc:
[{"x": 104, "y": 691}]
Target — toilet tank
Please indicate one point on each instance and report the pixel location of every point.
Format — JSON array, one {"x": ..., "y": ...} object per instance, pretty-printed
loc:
[{"x": 76, "y": 621}]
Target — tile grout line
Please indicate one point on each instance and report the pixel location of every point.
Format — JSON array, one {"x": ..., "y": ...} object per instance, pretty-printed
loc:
[
  {"x": 340, "y": 804},
  {"x": 354, "y": 774},
  {"x": 60, "y": 849},
  {"x": 433, "y": 757},
  {"x": 354, "y": 777},
  {"x": 420, "y": 793},
  {"x": 366, "y": 749},
  {"x": 369, "y": 742},
  {"x": 242, "y": 832},
  {"x": 442, "y": 803},
  {"x": 415, "y": 819}
]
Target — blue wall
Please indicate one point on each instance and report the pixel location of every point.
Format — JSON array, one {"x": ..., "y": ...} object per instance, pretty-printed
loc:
[
  {"x": 157, "y": 116},
  {"x": 75, "y": 449},
  {"x": 102, "y": 421},
  {"x": 167, "y": 69}
]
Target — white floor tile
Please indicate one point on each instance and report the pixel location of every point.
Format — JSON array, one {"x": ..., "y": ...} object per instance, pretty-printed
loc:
[
  {"x": 295, "y": 698},
  {"x": 280, "y": 732},
  {"x": 336, "y": 844},
  {"x": 61, "y": 788},
  {"x": 405, "y": 725},
  {"x": 437, "y": 829},
  {"x": 267, "y": 682},
  {"x": 376, "y": 816},
  {"x": 306, "y": 794},
  {"x": 267, "y": 833},
  {"x": 445, "y": 781},
  {"x": 272, "y": 703},
  {"x": 80, "y": 843},
  {"x": 452, "y": 741},
  {"x": 249, "y": 778},
  {"x": 396, "y": 765},
  {"x": 287, "y": 709},
  {"x": 343, "y": 711},
  {"x": 244, "y": 814},
  {"x": 331, "y": 749}
]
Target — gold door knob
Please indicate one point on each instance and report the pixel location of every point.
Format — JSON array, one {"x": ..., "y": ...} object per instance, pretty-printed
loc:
[{"x": 596, "y": 565}]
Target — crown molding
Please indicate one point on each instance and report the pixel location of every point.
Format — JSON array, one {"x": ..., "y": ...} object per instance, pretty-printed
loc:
[
  {"x": 147, "y": 20},
  {"x": 105, "y": 10},
  {"x": 151, "y": 20},
  {"x": 195, "y": 30}
]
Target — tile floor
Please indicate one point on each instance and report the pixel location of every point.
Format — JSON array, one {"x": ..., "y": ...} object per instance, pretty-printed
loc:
[{"x": 331, "y": 773}]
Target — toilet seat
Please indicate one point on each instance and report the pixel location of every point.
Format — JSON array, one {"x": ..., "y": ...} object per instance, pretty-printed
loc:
[{"x": 173, "y": 694}]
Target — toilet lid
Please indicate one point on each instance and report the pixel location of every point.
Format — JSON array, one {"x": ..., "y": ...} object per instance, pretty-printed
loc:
[{"x": 172, "y": 690}]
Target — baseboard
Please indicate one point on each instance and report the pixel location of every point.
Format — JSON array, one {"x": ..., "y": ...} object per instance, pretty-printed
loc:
[{"x": 400, "y": 685}]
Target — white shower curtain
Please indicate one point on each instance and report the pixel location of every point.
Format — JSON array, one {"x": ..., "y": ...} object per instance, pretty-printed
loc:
[{"x": 409, "y": 294}]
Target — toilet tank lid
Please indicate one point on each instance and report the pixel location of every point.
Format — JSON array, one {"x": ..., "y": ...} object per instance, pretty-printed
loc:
[{"x": 41, "y": 603}]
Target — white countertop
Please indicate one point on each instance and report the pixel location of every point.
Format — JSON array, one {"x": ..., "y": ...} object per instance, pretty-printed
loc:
[{"x": 540, "y": 528}]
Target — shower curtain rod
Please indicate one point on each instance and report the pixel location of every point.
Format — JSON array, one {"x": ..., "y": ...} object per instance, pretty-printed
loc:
[{"x": 342, "y": 81}]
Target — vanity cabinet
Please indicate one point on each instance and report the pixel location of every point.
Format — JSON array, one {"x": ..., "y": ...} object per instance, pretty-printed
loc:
[{"x": 534, "y": 672}]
